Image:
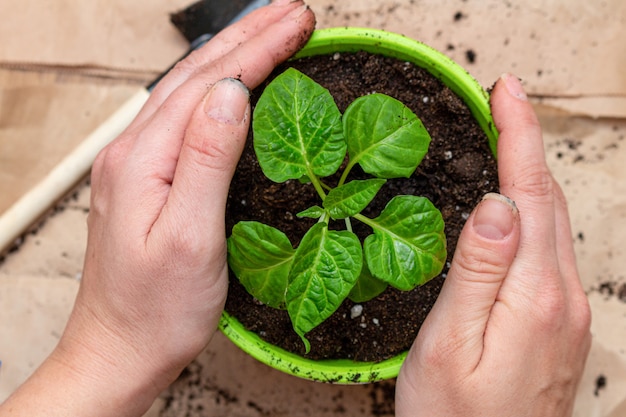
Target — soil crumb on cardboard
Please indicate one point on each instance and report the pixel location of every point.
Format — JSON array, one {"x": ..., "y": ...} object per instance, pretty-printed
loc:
[
  {"x": 600, "y": 384},
  {"x": 611, "y": 289}
]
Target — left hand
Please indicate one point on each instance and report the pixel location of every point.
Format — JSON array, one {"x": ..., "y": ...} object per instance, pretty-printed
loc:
[{"x": 155, "y": 275}]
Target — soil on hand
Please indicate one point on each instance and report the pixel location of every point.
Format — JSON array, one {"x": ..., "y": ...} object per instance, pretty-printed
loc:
[{"x": 455, "y": 174}]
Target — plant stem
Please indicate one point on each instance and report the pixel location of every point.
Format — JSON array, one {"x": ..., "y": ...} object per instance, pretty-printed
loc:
[
  {"x": 317, "y": 184},
  {"x": 326, "y": 186},
  {"x": 344, "y": 176},
  {"x": 348, "y": 224},
  {"x": 366, "y": 220},
  {"x": 318, "y": 188}
]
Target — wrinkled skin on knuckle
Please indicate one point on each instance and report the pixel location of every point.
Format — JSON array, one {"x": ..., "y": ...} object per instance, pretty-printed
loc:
[
  {"x": 184, "y": 245},
  {"x": 213, "y": 152},
  {"x": 180, "y": 244},
  {"x": 442, "y": 354},
  {"x": 189, "y": 65},
  {"x": 434, "y": 355},
  {"x": 484, "y": 265},
  {"x": 219, "y": 153},
  {"x": 535, "y": 182}
]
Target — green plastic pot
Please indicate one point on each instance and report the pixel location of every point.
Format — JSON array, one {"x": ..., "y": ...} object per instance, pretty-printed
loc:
[{"x": 347, "y": 39}]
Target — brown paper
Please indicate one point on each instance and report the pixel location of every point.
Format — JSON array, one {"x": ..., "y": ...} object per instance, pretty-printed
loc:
[
  {"x": 66, "y": 70},
  {"x": 133, "y": 36},
  {"x": 68, "y": 65},
  {"x": 42, "y": 119}
]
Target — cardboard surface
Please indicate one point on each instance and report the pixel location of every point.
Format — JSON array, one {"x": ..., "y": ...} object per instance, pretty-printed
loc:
[{"x": 69, "y": 65}]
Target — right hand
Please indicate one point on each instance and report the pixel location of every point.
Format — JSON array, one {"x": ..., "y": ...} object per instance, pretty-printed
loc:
[{"x": 509, "y": 334}]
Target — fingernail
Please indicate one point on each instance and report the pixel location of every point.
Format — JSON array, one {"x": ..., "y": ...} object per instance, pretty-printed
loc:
[
  {"x": 297, "y": 12},
  {"x": 495, "y": 216},
  {"x": 514, "y": 86},
  {"x": 227, "y": 101}
]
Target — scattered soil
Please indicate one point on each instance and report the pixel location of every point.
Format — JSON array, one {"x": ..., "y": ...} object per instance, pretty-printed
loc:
[
  {"x": 611, "y": 289},
  {"x": 197, "y": 393},
  {"x": 600, "y": 384},
  {"x": 457, "y": 171}
]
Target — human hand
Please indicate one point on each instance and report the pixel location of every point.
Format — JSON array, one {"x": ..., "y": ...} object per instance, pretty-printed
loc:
[
  {"x": 155, "y": 274},
  {"x": 509, "y": 334}
]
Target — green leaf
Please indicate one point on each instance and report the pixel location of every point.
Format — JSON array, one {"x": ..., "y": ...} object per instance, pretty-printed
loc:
[
  {"x": 261, "y": 257},
  {"x": 408, "y": 246},
  {"x": 304, "y": 179},
  {"x": 366, "y": 287},
  {"x": 384, "y": 136},
  {"x": 327, "y": 264},
  {"x": 314, "y": 212},
  {"x": 351, "y": 198},
  {"x": 297, "y": 129}
]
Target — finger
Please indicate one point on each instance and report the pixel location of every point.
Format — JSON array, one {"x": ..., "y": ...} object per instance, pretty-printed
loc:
[
  {"x": 566, "y": 256},
  {"x": 536, "y": 292},
  {"x": 251, "y": 62},
  {"x": 565, "y": 246},
  {"x": 155, "y": 148},
  {"x": 523, "y": 173},
  {"x": 578, "y": 303},
  {"x": 212, "y": 145},
  {"x": 221, "y": 44},
  {"x": 485, "y": 251}
]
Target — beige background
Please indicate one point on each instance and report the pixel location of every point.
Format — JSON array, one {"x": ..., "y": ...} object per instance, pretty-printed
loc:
[{"x": 66, "y": 65}]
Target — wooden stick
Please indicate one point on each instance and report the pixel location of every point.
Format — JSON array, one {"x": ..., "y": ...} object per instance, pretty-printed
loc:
[{"x": 73, "y": 168}]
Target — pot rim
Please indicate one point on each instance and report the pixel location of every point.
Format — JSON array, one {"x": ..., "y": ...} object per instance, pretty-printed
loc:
[
  {"x": 353, "y": 39},
  {"x": 338, "y": 371}
]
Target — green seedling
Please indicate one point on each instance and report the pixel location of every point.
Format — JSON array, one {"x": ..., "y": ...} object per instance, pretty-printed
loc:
[{"x": 300, "y": 134}]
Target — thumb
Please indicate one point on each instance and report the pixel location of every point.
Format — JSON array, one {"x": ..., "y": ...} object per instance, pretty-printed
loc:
[
  {"x": 213, "y": 142},
  {"x": 485, "y": 250}
]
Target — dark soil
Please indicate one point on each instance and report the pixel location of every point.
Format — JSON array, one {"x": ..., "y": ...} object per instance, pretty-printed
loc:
[
  {"x": 457, "y": 171},
  {"x": 600, "y": 385},
  {"x": 611, "y": 289}
]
